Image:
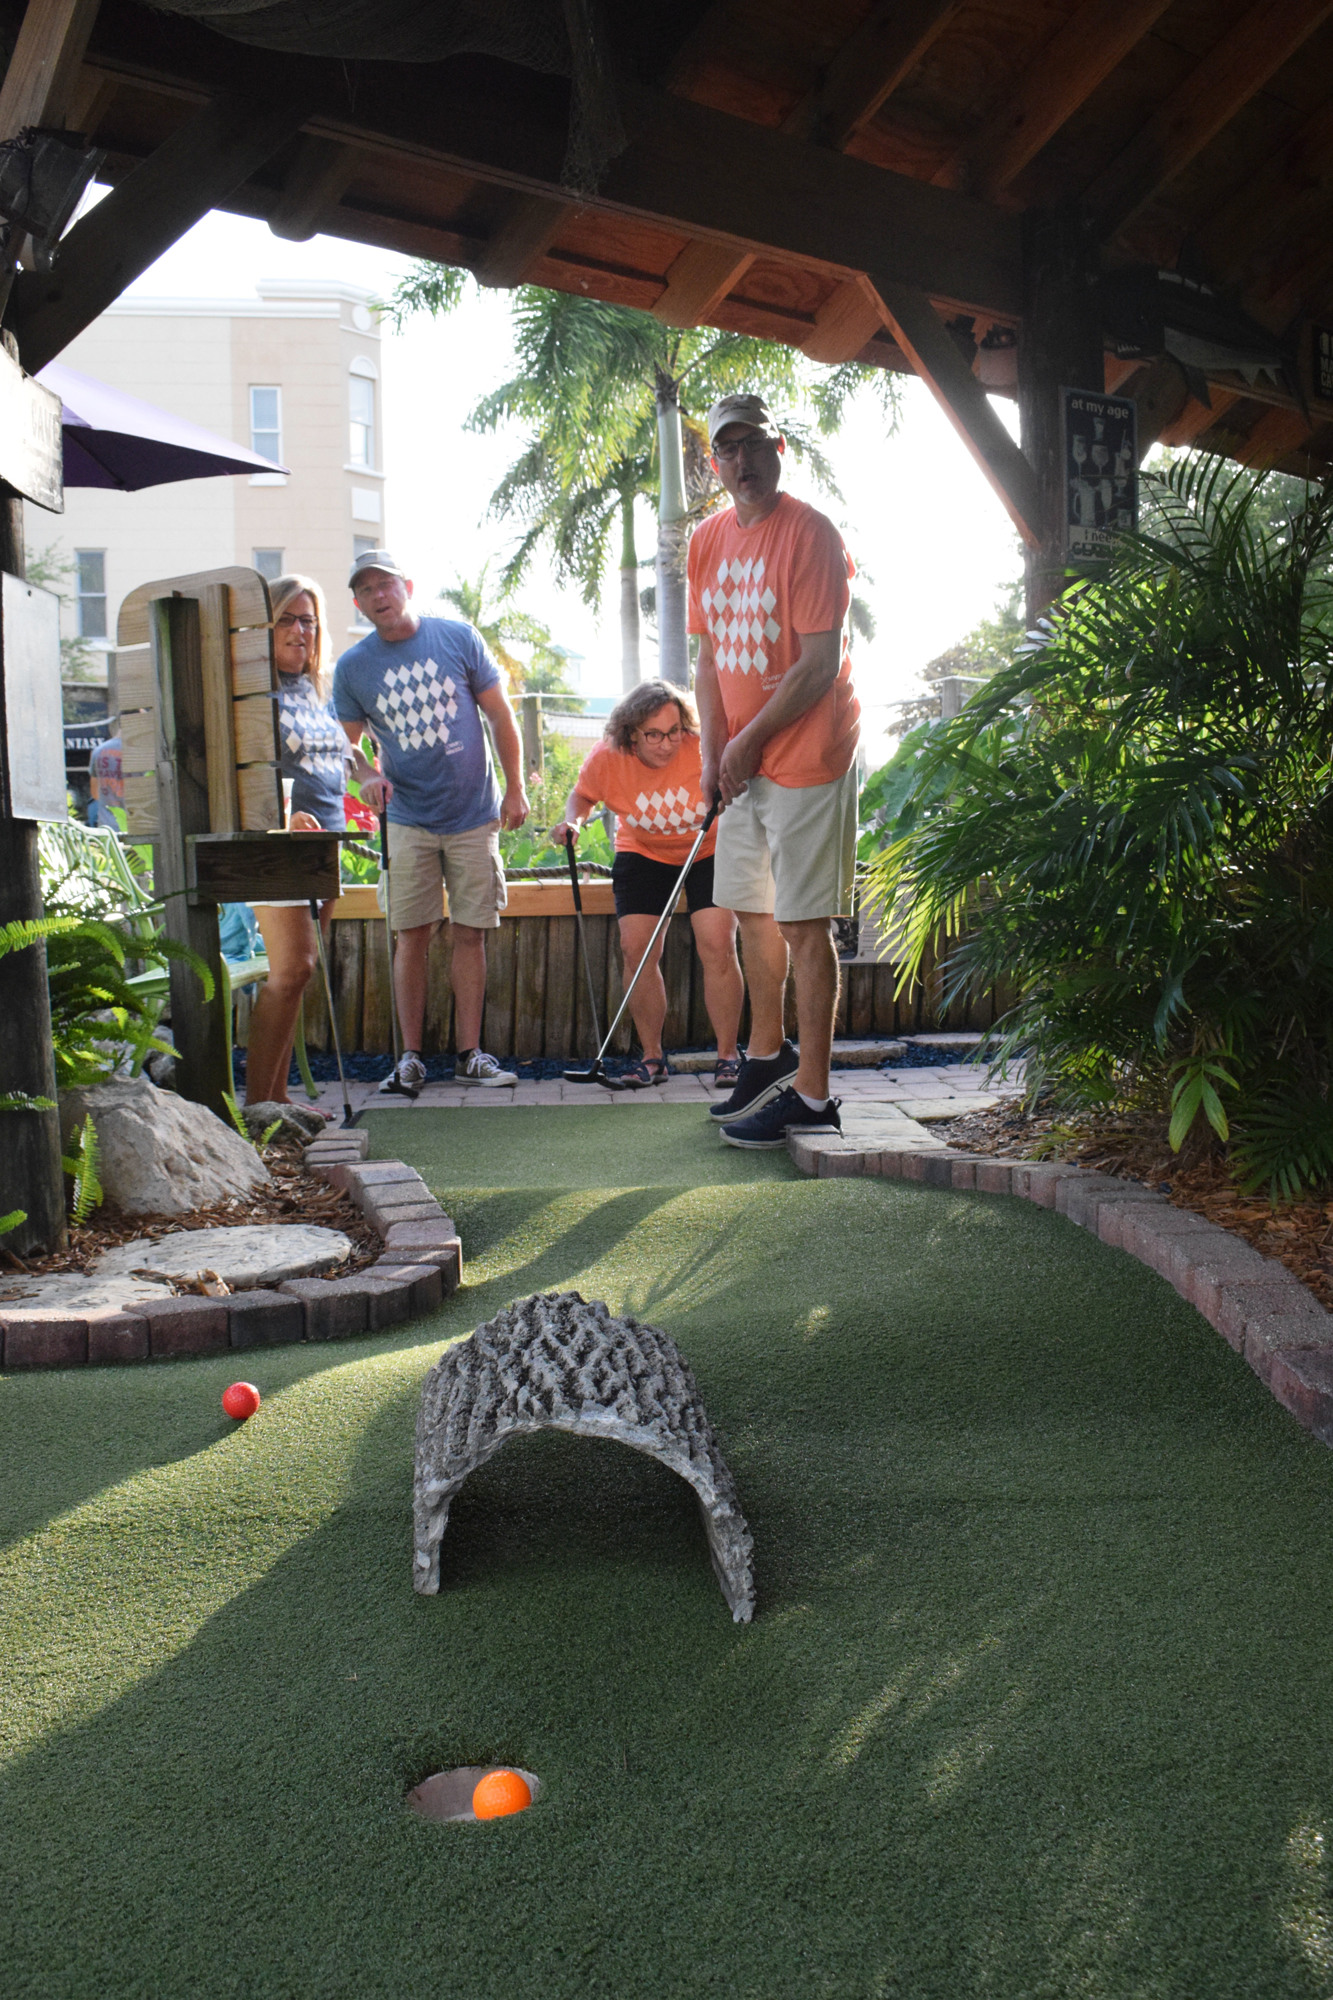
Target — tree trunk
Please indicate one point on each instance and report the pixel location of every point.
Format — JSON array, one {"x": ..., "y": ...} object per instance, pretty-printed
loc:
[
  {"x": 672, "y": 537},
  {"x": 1059, "y": 347},
  {"x": 30, "y": 1171},
  {"x": 631, "y": 671}
]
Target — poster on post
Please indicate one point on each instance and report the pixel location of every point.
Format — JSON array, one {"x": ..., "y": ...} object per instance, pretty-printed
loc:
[{"x": 1100, "y": 440}]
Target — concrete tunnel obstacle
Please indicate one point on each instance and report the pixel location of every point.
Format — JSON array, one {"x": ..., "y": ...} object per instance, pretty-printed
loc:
[{"x": 554, "y": 1361}]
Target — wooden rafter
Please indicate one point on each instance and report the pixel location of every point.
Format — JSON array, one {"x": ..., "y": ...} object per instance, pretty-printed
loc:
[
  {"x": 316, "y": 181},
  {"x": 201, "y": 163},
  {"x": 1159, "y": 393},
  {"x": 528, "y": 228},
  {"x": 845, "y": 323},
  {"x": 1288, "y": 195},
  {"x": 869, "y": 67},
  {"x": 698, "y": 281},
  {"x": 1264, "y": 38},
  {"x": 1093, "y": 42},
  {"x": 935, "y": 356},
  {"x": 44, "y": 68}
]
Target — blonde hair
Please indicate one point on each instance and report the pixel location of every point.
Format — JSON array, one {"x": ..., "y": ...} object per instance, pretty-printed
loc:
[
  {"x": 633, "y": 710},
  {"x": 281, "y": 591}
]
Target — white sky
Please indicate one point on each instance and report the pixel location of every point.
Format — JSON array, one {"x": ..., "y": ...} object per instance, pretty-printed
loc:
[{"x": 916, "y": 513}]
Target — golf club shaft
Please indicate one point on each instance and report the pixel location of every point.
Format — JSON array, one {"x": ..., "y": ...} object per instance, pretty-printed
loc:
[
  {"x": 388, "y": 932},
  {"x": 583, "y": 935},
  {"x": 348, "y": 1113},
  {"x": 662, "y": 923}
]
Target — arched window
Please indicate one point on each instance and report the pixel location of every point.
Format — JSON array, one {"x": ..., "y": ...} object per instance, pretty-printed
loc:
[{"x": 361, "y": 411}]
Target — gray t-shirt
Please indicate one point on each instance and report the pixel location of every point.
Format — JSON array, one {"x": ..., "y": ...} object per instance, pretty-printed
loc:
[{"x": 419, "y": 699}]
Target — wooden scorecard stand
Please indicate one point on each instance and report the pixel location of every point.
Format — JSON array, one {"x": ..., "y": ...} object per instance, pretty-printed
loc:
[{"x": 198, "y": 692}]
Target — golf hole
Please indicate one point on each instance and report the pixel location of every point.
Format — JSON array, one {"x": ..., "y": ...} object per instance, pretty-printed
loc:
[{"x": 447, "y": 1795}]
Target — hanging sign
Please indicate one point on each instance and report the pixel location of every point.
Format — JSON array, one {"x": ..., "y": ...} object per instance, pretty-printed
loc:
[
  {"x": 31, "y": 450},
  {"x": 1101, "y": 460}
]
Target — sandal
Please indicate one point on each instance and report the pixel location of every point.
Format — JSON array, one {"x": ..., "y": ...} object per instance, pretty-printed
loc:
[
  {"x": 727, "y": 1073},
  {"x": 646, "y": 1071}
]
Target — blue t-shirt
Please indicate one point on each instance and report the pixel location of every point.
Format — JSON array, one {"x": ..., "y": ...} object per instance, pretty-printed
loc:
[
  {"x": 313, "y": 743},
  {"x": 419, "y": 698}
]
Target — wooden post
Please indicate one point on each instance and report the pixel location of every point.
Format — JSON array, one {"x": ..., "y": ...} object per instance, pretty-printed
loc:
[
  {"x": 534, "y": 752},
  {"x": 1060, "y": 347},
  {"x": 30, "y": 1173},
  {"x": 198, "y": 1027}
]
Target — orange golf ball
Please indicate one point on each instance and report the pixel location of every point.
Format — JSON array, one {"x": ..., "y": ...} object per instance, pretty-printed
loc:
[
  {"x": 241, "y": 1400},
  {"x": 501, "y": 1792}
]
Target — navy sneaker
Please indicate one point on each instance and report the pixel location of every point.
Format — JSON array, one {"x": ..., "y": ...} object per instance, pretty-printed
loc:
[
  {"x": 758, "y": 1081},
  {"x": 768, "y": 1127}
]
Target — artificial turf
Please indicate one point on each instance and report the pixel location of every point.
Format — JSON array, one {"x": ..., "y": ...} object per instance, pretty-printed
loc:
[{"x": 1035, "y": 1702}]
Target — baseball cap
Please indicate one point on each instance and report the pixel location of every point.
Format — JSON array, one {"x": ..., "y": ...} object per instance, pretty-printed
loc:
[
  {"x": 375, "y": 559},
  {"x": 739, "y": 409}
]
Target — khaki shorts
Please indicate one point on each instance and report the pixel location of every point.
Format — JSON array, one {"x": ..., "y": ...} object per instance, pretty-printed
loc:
[
  {"x": 423, "y": 866},
  {"x": 788, "y": 849}
]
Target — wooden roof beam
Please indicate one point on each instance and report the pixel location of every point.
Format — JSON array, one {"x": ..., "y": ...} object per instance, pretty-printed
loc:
[
  {"x": 44, "y": 68},
  {"x": 1288, "y": 194},
  {"x": 1159, "y": 393},
  {"x": 203, "y": 161},
  {"x": 527, "y": 229},
  {"x": 1232, "y": 72},
  {"x": 317, "y": 180},
  {"x": 1093, "y": 42},
  {"x": 699, "y": 279},
  {"x": 868, "y": 68},
  {"x": 934, "y": 354},
  {"x": 844, "y": 324}
]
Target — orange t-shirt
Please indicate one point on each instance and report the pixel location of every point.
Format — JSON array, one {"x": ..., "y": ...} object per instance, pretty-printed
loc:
[
  {"x": 657, "y": 813},
  {"x": 753, "y": 591}
]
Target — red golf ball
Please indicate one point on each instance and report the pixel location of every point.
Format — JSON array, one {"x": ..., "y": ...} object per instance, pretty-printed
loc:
[{"x": 241, "y": 1400}]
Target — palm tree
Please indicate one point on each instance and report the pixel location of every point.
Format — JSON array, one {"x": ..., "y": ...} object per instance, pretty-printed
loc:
[
  {"x": 500, "y": 624},
  {"x": 606, "y": 390}
]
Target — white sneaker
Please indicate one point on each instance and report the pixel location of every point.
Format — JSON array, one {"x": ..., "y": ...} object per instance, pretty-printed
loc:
[
  {"x": 481, "y": 1068},
  {"x": 407, "y": 1079}
]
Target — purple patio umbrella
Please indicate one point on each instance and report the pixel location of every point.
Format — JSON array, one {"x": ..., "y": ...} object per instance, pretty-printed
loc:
[{"x": 111, "y": 439}]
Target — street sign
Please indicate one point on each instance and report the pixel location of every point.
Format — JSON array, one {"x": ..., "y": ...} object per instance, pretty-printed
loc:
[{"x": 31, "y": 452}]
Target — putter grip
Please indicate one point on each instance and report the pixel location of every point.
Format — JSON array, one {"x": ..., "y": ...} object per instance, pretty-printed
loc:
[
  {"x": 573, "y": 873},
  {"x": 384, "y": 841},
  {"x": 713, "y": 810}
]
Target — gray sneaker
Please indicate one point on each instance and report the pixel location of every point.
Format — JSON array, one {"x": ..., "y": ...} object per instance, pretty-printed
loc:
[
  {"x": 406, "y": 1080},
  {"x": 481, "y": 1068}
]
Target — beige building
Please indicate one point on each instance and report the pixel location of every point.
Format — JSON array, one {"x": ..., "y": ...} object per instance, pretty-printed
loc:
[{"x": 293, "y": 373}]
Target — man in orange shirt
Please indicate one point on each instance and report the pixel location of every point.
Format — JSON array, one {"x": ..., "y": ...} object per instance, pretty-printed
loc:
[{"x": 770, "y": 584}]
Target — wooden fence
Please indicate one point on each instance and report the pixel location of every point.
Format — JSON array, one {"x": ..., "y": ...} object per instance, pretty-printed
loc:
[{"x": 536, "y": 993}]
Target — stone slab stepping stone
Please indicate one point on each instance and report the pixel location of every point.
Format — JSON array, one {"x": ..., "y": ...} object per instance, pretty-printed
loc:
[
  {"x": 76, "y": 1296},
  {"x": 244, "y": 1257}
]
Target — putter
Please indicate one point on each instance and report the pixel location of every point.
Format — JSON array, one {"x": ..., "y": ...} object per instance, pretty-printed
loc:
[
  {"x": 395, "y": 1088},
  {"x": 349, "y": 1116},
  {"x": 583, "y": 935},
  {"x": 597, "y": 1073}
]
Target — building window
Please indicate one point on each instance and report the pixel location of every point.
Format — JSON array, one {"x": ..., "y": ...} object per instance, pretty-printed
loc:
[
  {"x": 268, "y": 562},
  {"x": 362, "y": 430},
  {"x": 361, "y": 546},
  {"x": 266, "y": 423},
  {"x": 90, "y": 570}
]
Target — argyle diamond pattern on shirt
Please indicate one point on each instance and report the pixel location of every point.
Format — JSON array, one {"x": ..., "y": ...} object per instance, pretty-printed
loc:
[
  {"x": 311, "y": 737},
  {"x": 739, "y": 609},
  {"x": 672, "y": 811},
  {"x": 416, "y": 704}
]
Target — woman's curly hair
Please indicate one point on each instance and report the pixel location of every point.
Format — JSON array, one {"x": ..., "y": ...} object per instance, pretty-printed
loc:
[{"x": 632, "y": 711}]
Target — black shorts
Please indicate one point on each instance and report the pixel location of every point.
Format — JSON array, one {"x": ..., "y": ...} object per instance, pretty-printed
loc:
[{"x": 643, "y": 887}]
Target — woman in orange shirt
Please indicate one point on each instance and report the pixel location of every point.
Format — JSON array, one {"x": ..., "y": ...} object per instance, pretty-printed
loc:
[{"x": 646, "y": 768}]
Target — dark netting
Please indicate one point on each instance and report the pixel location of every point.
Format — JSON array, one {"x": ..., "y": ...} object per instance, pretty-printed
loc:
[{"x": 556, "y": 37}]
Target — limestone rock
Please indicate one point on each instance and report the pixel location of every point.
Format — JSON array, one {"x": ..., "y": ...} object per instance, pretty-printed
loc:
[
  {"x": 302, "y": 1119},
  {"x": 556, "y": 1362},
  {"x": 158, "y": 1154},
  {"x": 249, "y": 1255}
]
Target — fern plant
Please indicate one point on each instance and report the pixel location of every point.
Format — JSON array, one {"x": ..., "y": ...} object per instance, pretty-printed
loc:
[
  {"x": 1133, "y": 824},
  {"x": 81, "y": 1166}
]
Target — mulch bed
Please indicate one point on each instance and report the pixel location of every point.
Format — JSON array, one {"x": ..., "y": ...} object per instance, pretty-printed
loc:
[
  {"x": 1298, "y": 1233},
  {"x": 295, "y": 1196}
]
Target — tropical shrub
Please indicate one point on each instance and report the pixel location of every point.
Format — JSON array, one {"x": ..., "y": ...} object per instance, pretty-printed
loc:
[{"x": 1133, "y": 825}]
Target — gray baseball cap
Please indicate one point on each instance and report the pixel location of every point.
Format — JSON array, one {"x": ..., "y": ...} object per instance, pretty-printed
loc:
[
  {"x": 739, "y": 409},
  {"x": 375, "y": 559}
]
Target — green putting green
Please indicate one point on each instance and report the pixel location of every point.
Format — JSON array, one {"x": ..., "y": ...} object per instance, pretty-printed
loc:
[{"x": 1034, "y": 1704}]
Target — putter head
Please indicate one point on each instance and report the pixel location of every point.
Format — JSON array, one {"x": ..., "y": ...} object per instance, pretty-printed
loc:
[
  {"x": 349, "y": 1119},
  {"x": 594, "y": 1075}
]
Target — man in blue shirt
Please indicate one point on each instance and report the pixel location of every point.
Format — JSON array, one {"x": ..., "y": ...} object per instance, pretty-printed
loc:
[{"x": 421, "y": 686}]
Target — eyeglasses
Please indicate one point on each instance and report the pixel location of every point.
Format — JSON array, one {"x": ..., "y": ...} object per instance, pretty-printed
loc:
[
  {"x": 306, "y": 624},
  {"x": 752, "y": 447},
  {"x": 661, "y": 735}
]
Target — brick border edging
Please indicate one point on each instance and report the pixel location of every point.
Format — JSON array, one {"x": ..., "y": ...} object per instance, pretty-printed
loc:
[
  {"x": 422, "y": 1264},
  {"x": 1257, "y": 1305}
]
